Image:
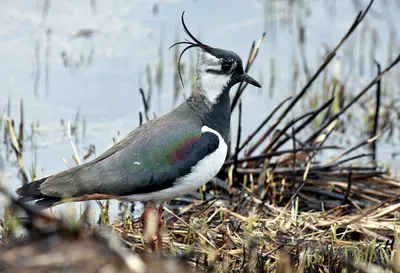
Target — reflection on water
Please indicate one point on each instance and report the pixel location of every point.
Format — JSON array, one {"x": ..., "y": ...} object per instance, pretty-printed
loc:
[{"x": 85, "y": 61}]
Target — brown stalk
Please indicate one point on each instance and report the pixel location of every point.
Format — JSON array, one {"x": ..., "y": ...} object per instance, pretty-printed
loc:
[
  {"x": 145, "y": 104},
  {"x": 17, "y": 149},
  {"x": 328, "y": 59},
  {"x": 278, "y": 134},
  {"x": 376, "y": 117},
  {"x": 355, "y": 99},
  {"x": 265, "y": 121},
  {"x": 21, "y": 123},
  {"x": 239, "y": 133},
  {"x": 362, "y": 143},
  {"x": 302, "y": 126},
  {"x": 278, "y": 153},
  {"x": 252, "y": 56}
]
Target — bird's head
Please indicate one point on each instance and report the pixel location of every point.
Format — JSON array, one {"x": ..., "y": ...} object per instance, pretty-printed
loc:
[{"x": 217, "y": 69}]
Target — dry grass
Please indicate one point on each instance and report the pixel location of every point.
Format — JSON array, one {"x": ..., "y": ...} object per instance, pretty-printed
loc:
[
  {"x": 246, "y": 234},
  {"x": 240, "y": 233}
]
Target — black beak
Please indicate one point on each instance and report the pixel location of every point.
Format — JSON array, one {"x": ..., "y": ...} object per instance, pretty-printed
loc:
[{"x": 246, "y": 78}]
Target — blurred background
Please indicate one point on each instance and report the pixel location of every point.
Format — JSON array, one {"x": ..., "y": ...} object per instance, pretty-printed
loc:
[{"x": 83, "y": 62}]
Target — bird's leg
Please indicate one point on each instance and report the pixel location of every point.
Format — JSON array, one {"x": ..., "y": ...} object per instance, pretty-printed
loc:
[
  {"x": 160, "y": 225},
  {"x": 148, "y": 208},
  {"x": 144, "y": 219},
  {"x": 159, "y": 222}
]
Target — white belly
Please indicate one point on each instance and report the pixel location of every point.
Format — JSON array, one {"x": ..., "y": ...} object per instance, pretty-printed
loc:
[{"x": 200, "y": 174}]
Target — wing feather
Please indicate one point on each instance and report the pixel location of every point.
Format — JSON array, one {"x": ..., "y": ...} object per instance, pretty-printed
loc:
[{"x": 150, "y": 161}]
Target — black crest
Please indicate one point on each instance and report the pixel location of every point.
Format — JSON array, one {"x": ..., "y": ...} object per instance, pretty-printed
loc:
[{"x": 195, "y": 43}]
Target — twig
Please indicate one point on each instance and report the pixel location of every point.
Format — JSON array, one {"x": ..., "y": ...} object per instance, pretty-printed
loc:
[
  {"x": 328, "y": 59},
  {"x": 140, "y": 118},
  {"x": 304, "y": 124},
  {"x": 237, "y": 94},
  {"x": 17, "y": 150},
  {"x": 145, "y": 105},
  {"x": 187, "y": 225},
  {"x": 76, "y": 156},
  {"x": 265, "y": 121},
  {"x": 362, "y": 143},
  {"x": 278, "y": 134},
  {"x": 294, "y": 156},
  {"x": 355, "y": 99},
  {"x": 253, "y": 54},
  {"x": 239, "y": 133},
  {"x": 376, "y": 118},
  {"x": 349, "y": 159},
  {"x": 278, "y": 153},
  {"x": 293, "y": 137},
  {"x": 297, "y": 191},
  {"x": 369, "y": 211},
  {"x": 21, "y": 123},
  {"x": 348, "y": 189}
]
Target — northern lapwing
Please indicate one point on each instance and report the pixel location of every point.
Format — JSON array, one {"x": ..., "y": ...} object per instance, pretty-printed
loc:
[{"x": 166, "y": 157}]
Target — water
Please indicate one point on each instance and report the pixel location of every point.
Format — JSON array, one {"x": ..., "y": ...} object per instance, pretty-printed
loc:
[{"x": 99, "y": 74}]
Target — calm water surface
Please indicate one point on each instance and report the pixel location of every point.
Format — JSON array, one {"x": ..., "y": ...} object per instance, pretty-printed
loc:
[{"x": 91, "y": 57}]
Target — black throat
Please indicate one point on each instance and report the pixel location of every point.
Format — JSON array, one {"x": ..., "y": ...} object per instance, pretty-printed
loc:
[{"x": 216, "y": 116}]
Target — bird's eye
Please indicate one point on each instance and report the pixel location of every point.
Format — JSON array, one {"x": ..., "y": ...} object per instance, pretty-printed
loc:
[{"x": 226, "y": 66}]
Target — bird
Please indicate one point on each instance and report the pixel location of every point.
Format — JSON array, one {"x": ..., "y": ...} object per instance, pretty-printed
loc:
[{"x": 166, "y": 157}]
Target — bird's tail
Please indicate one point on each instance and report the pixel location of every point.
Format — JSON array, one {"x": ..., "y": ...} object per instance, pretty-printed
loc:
[{"x": 31, "y": 191}]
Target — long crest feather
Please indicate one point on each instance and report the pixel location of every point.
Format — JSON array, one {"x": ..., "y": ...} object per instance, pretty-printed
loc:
[
  {"x": 188, "y": 32},
  {"x": 195, "y": 43}
]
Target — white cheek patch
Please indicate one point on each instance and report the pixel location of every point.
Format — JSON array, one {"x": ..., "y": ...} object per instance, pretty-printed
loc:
[
  {"x": 213, "y": 85},
  {"x": 210, "y": 83}
]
